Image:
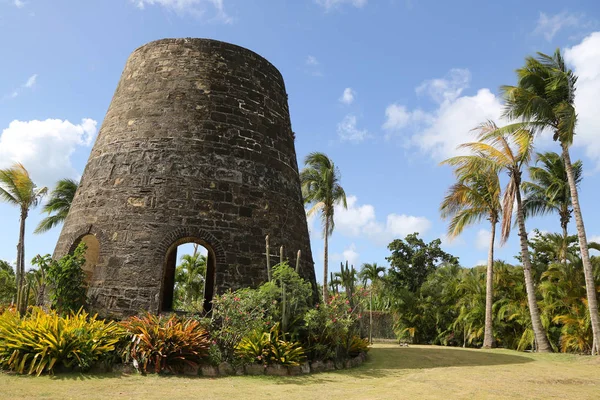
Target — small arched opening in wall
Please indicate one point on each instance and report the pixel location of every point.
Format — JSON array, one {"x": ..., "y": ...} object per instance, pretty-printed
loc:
[
  {"x": 92, "y": 255},
  {"x": 189, "y": 278}
]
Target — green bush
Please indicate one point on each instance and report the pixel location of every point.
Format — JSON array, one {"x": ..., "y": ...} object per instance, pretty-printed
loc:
[
  {"x": 235, "y": 315},
  {"x": 159, "y": 344},
  {"x": 330, "y": 328},
  {"x": 269, "y": 348},
  {"x": 67, "y": 280},
  {"x": 42, "y": 341}
]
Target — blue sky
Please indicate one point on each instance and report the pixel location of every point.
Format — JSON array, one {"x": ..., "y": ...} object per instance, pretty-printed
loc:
[{"x": 386, "y": 88}]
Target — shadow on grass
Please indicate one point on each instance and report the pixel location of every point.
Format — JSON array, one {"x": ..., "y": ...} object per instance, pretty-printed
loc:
[{"x": 384, "y": 361}]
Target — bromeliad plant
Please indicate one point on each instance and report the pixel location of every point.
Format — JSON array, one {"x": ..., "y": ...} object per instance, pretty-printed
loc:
[
  {"x": 159, "y": 344},
  {"x": 270, "y": 348},
  {"x": 40, "y": 342}
]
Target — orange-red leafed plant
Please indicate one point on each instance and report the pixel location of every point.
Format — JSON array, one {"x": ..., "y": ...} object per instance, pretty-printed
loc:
[{"x": 159, "y": 344}]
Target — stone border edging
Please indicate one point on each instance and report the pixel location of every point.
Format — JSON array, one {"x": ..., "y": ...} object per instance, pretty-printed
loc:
[{"x": 226, "y": 369}]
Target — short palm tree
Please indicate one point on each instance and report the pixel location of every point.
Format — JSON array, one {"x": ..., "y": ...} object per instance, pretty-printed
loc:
[
  {"x": 370, "y": 273},
  {"x": 509, "y": 150},
  {"x": 476, "y": 196},
  {"x": 549, "y": 191},
  {"x": 190, "y": 278},
  {"x": 544, "y": 98},
  {"x": 17, "y": 188},
  {"x": 58, "y": 205},
  {"x": 321, "y": 187}
]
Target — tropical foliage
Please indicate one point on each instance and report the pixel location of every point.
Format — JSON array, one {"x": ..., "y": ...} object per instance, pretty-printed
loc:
[
  {"x": 161, "y": 344},
  {"x": 45, "y": 341},
  {"x": 67, "y": 280},
  {"x": 189, "y": 282},
  {"x": 58, "y": 205}
]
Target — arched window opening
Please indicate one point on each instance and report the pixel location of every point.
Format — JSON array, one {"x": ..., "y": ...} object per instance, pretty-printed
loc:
[
  {"x": 91, "y": 255},
  {"x": 189, "y": 278}
]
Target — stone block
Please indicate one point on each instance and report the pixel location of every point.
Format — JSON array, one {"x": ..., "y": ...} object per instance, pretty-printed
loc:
[
  {"x": 254, "y": 369},
  {"x": 276, "y": 370}
]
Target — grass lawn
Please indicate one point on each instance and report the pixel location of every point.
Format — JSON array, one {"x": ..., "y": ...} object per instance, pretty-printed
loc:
[{"x": 392, "y": 372}]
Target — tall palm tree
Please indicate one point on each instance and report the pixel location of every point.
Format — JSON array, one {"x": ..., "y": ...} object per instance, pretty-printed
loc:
[
  {"x": 58, "y": 205},
  {"x": 474, "y": 197},
  {"x": 17, "y": 188},
  {"x": 321, "y": 187},
  {"x": 370, "y": 273},
  {"x": 544, "y": 98},
  {"x": 509, "y": 150},
  {"x": 549, "y": 191}
]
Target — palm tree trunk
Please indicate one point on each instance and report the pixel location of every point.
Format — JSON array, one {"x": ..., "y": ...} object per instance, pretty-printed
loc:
[
  {"x": 371, "y": 314},
  {"x": 536, "y": 322},
  {"x": 21, "y": 263},
  {"x": 488, "y": 333},
  {"x": 565, "y": 241},
  {"x": 325, "y": 257},
  {"x": 583, "y": 246}
]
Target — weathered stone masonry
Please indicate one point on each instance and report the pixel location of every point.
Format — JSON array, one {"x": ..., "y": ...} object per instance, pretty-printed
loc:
[{"x": 196, "y": 146}]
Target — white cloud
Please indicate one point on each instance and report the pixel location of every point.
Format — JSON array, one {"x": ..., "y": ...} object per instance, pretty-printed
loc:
[
  {"x": 584, "y": 58},
  {"x": 349, "y": 254},
  {"x": 45, "y": 147},
  {"x": 594, "y": 238},
  {"x": 347, "y": 130},
  {"x": 331, "y": 4},
  {"x": 441, "y": 131},
  {"x": 480, "y": 263},
  {"x": 396, "y": 117},
  {"x": 31, "y": 81},
  {"x": 548, "y": 26},
  {"x": 29, "y": 84},
  {"x": 312, "y": 60},
  {"x": 313, "y": 66},
  {"x": 348, "y": 96},
  {"x": 448, "y": 88},
  {"x": 360, "y": 220},
  {"x": 451, "y": 242},
  {"x": 19, "y": 3},
  {"x": 482, "y": 241},
  {"x": 194, "y": 7}
]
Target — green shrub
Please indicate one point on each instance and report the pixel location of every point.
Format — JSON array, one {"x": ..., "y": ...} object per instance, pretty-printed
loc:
[
  {"x": 40, "y": 341},
  {"x": 235, "y": 315},
  {"x": 356, "y": 345},
  {"x": 67, "y": 280},
  {"x": 330, "y": 327},
  {"x": 159, "y": 344},
  {"x": 269, "y": 348}
]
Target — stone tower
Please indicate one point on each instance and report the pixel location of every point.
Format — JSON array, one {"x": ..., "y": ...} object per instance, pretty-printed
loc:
[{"x": 196, "y": 146}]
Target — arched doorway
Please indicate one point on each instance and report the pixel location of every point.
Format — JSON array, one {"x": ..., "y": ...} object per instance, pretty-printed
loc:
[
  {"x": 91, "y": 255},
  {"x": 189, "y": 276}
]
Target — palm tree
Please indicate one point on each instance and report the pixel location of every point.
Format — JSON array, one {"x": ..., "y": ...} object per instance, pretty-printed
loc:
[
  {"x": 321, "y": 187},
  {"x": 370, "y": 273},
  {"x": 190, "y": 277},
  {"x": 17, "y": 188},
  {"x": 494, "y": 150},
  {"x": 549, "y": 191},
  {"x": 58, "y": 204},
  {"x": 544, "y": 98},
  {"x": 474, "y": 197},
  {"x": 334, "y": 282}
]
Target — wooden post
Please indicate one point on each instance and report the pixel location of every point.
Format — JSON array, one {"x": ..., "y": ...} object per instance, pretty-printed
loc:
[
  {"x": 298, "y": 262},
  {"x": 268, "y": 259}
]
